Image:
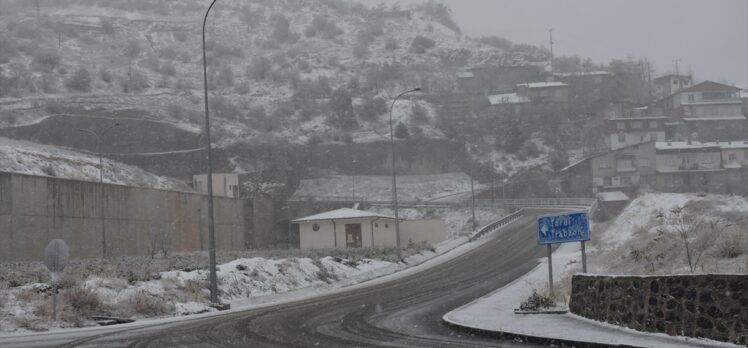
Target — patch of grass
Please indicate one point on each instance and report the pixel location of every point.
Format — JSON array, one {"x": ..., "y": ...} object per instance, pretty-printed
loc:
[
  {"x": 731, "y": 245},
  {"x": 142, "y": 303},
  {"x": 82, "y": 301}
]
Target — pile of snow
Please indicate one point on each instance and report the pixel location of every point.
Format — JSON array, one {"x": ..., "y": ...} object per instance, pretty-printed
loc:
[{"x": 29, "y": 158}]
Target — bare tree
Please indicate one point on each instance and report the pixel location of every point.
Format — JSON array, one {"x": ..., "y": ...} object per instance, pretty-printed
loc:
[
  {"x": 160, "y": 238},
  {"x": 695, "y": 230}
]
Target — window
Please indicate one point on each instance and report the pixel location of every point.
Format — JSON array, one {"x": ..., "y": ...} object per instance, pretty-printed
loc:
[
  {"x": 731, "y": 157},
  {"x": 654, "y": 124},
  {"x": 641, "y": 138},
  {"x": 620, "y": 125},
  {"x": 675, "y": 82},
  {"x": 637, "y": 125},
  {"x": 376, "y": 224},
  {"x": 691, "y": 98},
  {"x": 604, "y": 164},
  {"x": 625, "y": 180},
  {"x": 621, "y": 137},
  {"x": 386, "y": 225}
]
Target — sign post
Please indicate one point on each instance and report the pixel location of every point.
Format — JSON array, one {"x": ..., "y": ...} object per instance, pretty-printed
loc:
[
  {"x": 563, "y": 228},
  {"x": 56, "y": 257}
]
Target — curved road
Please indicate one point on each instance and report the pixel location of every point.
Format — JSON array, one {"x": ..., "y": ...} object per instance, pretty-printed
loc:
[{"x": 399, "y": 313}]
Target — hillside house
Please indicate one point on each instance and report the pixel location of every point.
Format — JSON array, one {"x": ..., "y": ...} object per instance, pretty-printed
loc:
[
  {"x": 690, "y": 167},
  {"x": 487, "y": 80},
  {"x": 544, "y": 92},
  {"x": 707, "y": 111},
  {"x": 627, "y": 131},
  {"x": 670, "y": 84},
  {"x": 588, "y": 87},
  {"x": 625, "y": 169}
]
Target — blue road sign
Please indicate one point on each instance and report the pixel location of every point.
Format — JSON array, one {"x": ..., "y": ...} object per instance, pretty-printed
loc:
[{"x": 563, "y": 228}]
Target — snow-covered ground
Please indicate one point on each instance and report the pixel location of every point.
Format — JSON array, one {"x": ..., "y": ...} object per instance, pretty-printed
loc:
[
  {"x": 34, "y": 159},
  {"x": 410, "y": 188},
  {"x": 495, "y": 312},
  {"x": 611, "y": 252}
]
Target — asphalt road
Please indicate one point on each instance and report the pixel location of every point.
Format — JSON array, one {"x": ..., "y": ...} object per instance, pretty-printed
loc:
[{"x": 400, "y": 313}]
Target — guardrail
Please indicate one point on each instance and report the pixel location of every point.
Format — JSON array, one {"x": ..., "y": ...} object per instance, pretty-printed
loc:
[{"x": 497, "y": 224}]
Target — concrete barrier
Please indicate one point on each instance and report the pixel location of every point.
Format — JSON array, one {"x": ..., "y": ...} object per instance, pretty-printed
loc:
[{"x": 34, "y": 210}]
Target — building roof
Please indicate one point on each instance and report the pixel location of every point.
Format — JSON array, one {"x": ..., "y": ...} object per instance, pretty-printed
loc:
[
  {"x": 613, "y": 196},
  {"x": 343, "y": 213},
  {"x": 669, "y": 76},
  {"x": 583, "y": 73},
  {"x": 465, "y": 74},
  {"x": 603, "y": 154},
  {"x": 683, "y": 145},
  {"x": 709, "y": 86},
  {"x": 642, "y": 118},
  {"x": 715, "y": 118},
  {"x": 507, "y": 98},
  {"x": 542, "y": 84}
]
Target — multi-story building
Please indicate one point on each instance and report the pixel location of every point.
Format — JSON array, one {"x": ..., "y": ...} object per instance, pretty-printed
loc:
[
  {"x": 544, "y": 92},
  {"x": 690, "y": 167},
  {"x": 627, "y": 131},
  {"x": 707, "y": 111},
  {"x": 625, "y": 169}
]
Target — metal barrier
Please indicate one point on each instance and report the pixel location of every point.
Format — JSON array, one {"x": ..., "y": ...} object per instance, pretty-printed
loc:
[
  {"x": 497, "y": 224},
  {"x": 519, "y": 202}
]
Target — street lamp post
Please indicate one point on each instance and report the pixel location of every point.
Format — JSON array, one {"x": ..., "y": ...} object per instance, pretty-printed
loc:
[
  {"x": 101, "y": 182},
  {"x": 394, "y": 178},
  {"x": 472, "y": 188},
  {"x": 211, "y": 224}
]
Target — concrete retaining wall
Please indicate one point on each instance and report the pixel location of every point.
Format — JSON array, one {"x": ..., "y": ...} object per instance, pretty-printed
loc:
[
  {"x": 709, "y": 306},
  {"x": 34, "y": 210}
]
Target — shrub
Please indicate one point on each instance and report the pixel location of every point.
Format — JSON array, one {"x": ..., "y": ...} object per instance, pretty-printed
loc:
[
  {"x": 731, "y": 245},
  {"x": 107, "y": 27},
  {"x": 80, "y": 80},
  {"x": 137, "y": 83},
  {"x": 421, "y": 44},
  {"x": 401, "y": 131},
  {"x": 259, "y": 68},
  {"x": 370, "y": 108},
  {"x": 180, "y": 36},
  {"x": 226, "y": 77},
  {"x": 47, "y": 60},
  {"x": 418, "y": 114},
  {"x": 83, "y": 301},
  {"x": 144, "y": 304},
  {"x": 440, "y": 13},
  {"x": 536, "y": 301},
  {"x": 49, "y": 83},
  {"x": 105, "y": 75},
  {"x": 281, "y": 28},
  {"x": 391, "y": 44},
  {"x": 167, "y": 69}
]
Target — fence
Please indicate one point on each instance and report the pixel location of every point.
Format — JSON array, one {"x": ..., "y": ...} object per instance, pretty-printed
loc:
[{"x": 497, "y": 224}]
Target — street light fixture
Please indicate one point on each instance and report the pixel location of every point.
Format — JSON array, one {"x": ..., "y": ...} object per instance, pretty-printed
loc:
[
  {"x": 394, "y": 178},
  {"x": 211, "y": 225},
  {"x": 101, "y": 181}
]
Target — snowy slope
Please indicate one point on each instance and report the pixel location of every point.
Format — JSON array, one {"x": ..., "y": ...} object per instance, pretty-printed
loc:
[{"x": 34, "y": 159}]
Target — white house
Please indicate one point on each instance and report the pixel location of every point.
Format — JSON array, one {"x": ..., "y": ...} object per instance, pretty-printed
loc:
[
  {"x": 224, "y": 185},
  {"x": 353, "y": 228}
]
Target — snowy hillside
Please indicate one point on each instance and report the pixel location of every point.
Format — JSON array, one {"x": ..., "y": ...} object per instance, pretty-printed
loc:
[
  {"x": 646, "y": 238},
  {"x": 34, "y": 159},
  {"x": 410, "y": 188}
]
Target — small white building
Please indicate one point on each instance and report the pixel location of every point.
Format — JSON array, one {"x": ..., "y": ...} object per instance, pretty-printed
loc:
[
  {"x": 224, "y": 185},
  {"x": 353, "y": 228}
]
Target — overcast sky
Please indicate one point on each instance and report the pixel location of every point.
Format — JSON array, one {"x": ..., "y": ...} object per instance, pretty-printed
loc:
[{"x": 710, "y": 36}]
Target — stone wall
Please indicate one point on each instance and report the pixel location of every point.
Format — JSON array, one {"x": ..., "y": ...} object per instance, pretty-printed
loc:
[
  {"x": 708, "y": 306},
  {"x": 34, "y": 210}
]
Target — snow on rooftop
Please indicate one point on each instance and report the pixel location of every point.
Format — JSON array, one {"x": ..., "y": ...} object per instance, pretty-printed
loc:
[
  {"x": 542, "y": 84},
  {"x": 465, "y": 75},
  {"x": 507, "y": 98},
  {"x": 589, "y": 73},
  {"x": 343, "y": 213},
  {"x": 613, "y": 196},
  {"x": 716, "y": 118},
  {"x": 680, "y": 145}
]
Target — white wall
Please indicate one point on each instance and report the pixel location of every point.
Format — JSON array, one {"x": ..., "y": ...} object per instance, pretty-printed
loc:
[
  {"x": 374, "y": 232},
  {"x": 223, "y": 184}
]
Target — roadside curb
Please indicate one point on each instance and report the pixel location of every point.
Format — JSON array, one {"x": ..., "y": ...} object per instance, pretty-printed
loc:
[{"x": 527, "y": 338}]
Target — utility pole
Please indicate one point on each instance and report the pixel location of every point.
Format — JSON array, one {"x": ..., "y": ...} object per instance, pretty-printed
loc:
[{"x": 550, "y": 33}]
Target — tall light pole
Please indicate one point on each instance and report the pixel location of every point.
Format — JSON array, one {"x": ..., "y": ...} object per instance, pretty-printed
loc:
[
  {"x": 211, "y": 224},
  {"x": 101, "y": 182},
  {"x": 394, "y": 178},
  {"x": 472, "y": 187}
]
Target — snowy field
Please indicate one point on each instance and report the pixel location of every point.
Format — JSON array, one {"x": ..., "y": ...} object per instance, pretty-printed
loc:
[
  {"x": 410, "y": 188},
  {"x": 34, "y": 159}
]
